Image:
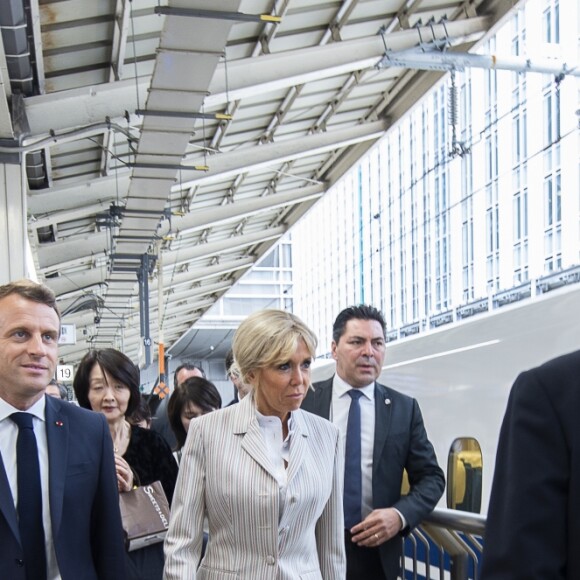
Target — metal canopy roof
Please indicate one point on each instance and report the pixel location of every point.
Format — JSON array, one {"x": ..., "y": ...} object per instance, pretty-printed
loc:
[{"x": 183, "y": 131}]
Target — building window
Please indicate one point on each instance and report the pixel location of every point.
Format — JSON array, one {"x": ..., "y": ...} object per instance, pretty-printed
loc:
[
  {"x": 551, "y": 22},
  {"x": 551, "y": 116}
]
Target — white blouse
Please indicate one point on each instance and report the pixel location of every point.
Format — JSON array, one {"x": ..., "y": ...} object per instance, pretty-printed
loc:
[{"x": 278, "y": 450}]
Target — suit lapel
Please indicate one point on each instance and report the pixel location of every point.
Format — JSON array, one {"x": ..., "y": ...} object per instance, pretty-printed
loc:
[
  {"x": 298, "y": 445},
  {"x": 7, "y": 507},
  {"x": 246, "y": 424},
  {"x": 57, "y": 430},
  {"x": 254, "y": 446},
  {"x": 383, "y": 408},
  {"x": 323, "y": 398}
]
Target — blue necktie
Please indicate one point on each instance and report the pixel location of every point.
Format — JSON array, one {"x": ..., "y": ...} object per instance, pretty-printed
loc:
[
  {"x": 352, "y": 469},
  {"x": 29, "y": 498}
]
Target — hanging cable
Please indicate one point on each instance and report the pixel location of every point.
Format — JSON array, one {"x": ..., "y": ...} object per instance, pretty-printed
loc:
[{"x": 134, "y": 54}]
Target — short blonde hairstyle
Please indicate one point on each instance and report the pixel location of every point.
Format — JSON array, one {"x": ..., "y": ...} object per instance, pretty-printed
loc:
[{"x": 267, "y": 338}]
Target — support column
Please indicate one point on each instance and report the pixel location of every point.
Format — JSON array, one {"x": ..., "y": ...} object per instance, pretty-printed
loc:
[
  {"x": 15, "y": 257},
  {"x": 143, "y": 277}
]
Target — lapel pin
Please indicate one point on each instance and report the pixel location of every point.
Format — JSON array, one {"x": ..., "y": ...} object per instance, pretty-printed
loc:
[
  {"x": 59, "y": 423},
  {"x": 387, "y": 401}
]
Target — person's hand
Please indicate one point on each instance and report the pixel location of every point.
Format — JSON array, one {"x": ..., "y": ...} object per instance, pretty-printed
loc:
[
  {"x": 378, "y": 527},
  {"x": 124, "y": 474}
]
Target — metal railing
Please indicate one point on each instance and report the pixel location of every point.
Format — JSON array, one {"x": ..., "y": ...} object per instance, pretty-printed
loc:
[{"x": 447, "y": 544}]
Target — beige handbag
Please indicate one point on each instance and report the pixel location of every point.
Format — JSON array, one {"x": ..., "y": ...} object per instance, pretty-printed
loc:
[{"x": 145, "y": 515}]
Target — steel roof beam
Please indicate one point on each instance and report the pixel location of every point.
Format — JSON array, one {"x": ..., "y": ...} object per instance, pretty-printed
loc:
[
  {"x": 6, "y": 129},
  {"x": 231, "y": 164},
  {"x": 78, "y": 195},
  {"x": 79, "y": 247},
  {"x": 189, "y": 306},
  {"x": 447, "y": 61},
  {"x": 238, "y": 210},
  {"x": 245, "y": 78},
  {"x": 191, "y": 293},
  {"x": 107, "y": 188},
  {"x": 183, "y": 255},
  {"x": 272, "y": 72},
  {"x": 75, "y": 282},
  {"x": 203, "y": 273}
]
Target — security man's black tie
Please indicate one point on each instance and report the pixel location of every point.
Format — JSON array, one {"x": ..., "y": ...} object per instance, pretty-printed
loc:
[
  {"x": 352, "y": 468},
  {"x": 29, "y": 499}
]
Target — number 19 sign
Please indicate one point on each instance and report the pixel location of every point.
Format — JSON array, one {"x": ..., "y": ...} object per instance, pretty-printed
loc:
[{"x": 65, "y": 373}]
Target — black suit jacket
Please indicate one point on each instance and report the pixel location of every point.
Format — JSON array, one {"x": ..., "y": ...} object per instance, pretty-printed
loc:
[
  {"x": 84, "y": 501},
  {"x": 161, "y": 424},
  {"x": 400, "y": 443},
  {"x": 533, "y": 522}
]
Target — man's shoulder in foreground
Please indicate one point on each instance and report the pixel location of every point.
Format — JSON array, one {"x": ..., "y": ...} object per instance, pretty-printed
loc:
[{"x": 78, "y": 414}]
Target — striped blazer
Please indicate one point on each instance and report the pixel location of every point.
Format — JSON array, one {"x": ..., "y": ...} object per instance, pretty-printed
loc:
[{"x": 226, "y": 476}]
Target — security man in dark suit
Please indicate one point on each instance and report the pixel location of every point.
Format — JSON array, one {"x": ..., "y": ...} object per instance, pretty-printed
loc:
[{"x": 392, "y": 439}]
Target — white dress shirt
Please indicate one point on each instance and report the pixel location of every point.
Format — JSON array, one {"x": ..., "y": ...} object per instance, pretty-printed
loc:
[
  {"x": 278, "y": 450},
  {"x": 339, "y": 409},
  {"x": 8, "y": 437}
]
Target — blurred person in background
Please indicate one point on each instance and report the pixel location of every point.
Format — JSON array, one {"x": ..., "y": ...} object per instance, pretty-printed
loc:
[
  {"x": 57, "y": 390},
  {"x": 107, "y": 382},
  {"x": 233, "y": 373},
  {"x": 141, "y": 416},
  {"x": 160, "y": 421},
  {"x": 193, "y": 398}
]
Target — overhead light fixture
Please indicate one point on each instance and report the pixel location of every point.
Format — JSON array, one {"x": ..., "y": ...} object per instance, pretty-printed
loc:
[
  {"x": 182, "y": 114},
  {"x": 216, "y": 14},
  {"x": 143, "y": 165}
]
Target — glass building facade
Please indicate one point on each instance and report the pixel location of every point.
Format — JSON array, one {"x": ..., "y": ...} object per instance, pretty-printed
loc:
[
  {"x": 267, "y": 285},
  {"x": 469, "y": 202}
]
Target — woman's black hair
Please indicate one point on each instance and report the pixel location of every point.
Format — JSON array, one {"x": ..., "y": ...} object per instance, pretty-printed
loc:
[
  {"x": 198, "y": 391},
  {"x": 117, "y": 365}
]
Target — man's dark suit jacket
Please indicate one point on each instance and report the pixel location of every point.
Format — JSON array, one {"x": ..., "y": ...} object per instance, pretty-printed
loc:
[
  {"x": 84, "y": 501},
  {"x": 161, "y": 423},
  {"x": 533, "y": 522},
  {"x": 400, "y": 443}
]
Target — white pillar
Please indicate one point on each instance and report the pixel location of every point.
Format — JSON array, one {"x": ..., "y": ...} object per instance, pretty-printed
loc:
[{"x": 15, "y": 256}]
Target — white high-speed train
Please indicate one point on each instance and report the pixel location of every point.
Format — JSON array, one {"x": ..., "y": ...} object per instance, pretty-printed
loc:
[{"x": 461, "y": 375}]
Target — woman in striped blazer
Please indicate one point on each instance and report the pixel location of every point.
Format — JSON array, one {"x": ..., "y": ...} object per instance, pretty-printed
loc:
[{"x": 267, "y": 475}]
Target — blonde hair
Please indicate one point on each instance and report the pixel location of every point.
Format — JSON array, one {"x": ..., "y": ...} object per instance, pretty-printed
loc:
[{"x": 267, "y": 338}]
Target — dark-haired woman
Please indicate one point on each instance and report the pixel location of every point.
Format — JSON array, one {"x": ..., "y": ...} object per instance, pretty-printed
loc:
[
  {"x": 195, "y": 397},
  {"x": 107, "y": 382}
]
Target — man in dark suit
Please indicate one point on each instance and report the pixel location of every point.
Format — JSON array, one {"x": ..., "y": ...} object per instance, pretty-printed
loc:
[
  {"x": 392, "y": 438},
  {"x": 74, "y": 525},
  {"x": 533, "y": 528}
]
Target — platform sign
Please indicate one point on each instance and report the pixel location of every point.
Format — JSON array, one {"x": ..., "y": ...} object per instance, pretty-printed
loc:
[
  {"x": 68, "y": 334},
  {"x": 65, "y": 373}
]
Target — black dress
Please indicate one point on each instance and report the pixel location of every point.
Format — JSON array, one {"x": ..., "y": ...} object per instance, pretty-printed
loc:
[{"x": 151, "y": 459}]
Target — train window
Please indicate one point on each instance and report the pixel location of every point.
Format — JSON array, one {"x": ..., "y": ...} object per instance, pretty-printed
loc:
[{"x": 464, "y": 471}]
